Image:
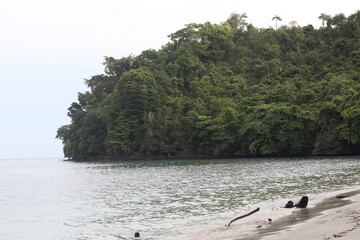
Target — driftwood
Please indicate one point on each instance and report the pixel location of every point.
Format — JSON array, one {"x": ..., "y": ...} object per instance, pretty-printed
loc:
[
  {"x": 342, "y": 196},
  {"x": 248, "y": 214},
  {"x": 290, "y": 204},
  {"x": 303, "y": 202}
]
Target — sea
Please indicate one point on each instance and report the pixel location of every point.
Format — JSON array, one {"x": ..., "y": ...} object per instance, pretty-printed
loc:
[{"x": 53, "y": 199}]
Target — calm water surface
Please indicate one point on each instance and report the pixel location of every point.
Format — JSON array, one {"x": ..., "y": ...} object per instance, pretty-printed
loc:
[{"x": 187, "y": 199}]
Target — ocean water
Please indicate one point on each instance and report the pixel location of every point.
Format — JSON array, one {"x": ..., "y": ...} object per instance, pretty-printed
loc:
[{"x": 182, "y": 199}]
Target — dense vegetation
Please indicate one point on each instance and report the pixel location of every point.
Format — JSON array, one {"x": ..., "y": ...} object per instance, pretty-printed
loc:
[{"x": 227, "y": 89}]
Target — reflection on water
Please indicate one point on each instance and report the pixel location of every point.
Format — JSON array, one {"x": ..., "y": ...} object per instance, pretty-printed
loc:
[{"x": 184, "y": 199}]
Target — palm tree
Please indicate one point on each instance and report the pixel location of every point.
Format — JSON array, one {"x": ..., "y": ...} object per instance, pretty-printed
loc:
[
  {"x": 237, "y": 21},
  {"x": 293, "y": 24},
  {"x": 276, "y": 18}
]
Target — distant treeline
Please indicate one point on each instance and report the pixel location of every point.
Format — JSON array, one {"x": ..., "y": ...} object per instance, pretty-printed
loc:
[{"x": 226, "y": 90}]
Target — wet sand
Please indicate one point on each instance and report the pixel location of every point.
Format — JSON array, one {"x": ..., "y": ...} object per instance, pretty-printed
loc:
[
  {"x": 326, "y": 217},
  {"x": 332, "y": 219}
]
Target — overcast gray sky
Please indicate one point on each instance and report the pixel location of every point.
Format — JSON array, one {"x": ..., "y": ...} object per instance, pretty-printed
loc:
[{"x": 49, "y": 46}]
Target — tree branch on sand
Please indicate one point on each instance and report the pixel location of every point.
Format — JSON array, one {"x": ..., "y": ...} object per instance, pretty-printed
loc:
[{"x": 248, "y": 214}]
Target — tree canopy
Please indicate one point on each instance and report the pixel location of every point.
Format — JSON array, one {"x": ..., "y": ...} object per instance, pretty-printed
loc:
[{"x": 226, "y": 90}]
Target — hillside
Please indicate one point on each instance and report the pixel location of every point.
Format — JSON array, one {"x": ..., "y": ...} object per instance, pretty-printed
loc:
[{"x": 226, "y": 90}]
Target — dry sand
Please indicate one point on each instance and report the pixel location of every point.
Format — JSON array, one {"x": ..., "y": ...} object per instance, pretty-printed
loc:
[{"x": 341, "y": 223}]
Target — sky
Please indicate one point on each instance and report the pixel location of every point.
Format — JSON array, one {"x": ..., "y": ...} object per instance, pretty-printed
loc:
[{"x": 48, "y": 48}]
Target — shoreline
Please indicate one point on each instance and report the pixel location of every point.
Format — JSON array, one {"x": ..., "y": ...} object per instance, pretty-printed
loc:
[
  {"x": 330, "y": 219},
  {"x": 294, "y": 223},
  {"x": 140, "y": 157}
]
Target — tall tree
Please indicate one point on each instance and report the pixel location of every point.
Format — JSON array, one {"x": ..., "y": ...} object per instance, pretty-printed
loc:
[
  {"x": 276, "y": 18},
  {"x": 237, "y": 21},
  {"x": 324, "y": 18},
  {"x": 292, "y": 24}
]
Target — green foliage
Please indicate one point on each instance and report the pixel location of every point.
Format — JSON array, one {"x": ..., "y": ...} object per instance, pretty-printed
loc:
[
  {"x": 218, "y": 135},
  {"x": 277, "y": 128},
  {"x": 227, "y": 89}
]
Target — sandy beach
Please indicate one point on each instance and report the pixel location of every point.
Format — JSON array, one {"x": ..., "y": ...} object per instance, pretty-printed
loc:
[
  {"x": 337, "y": 223},
  {"x": 326, "y": 217}
]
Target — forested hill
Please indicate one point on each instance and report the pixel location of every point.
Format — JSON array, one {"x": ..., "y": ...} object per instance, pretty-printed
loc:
[{"x": 227, "y": 89}]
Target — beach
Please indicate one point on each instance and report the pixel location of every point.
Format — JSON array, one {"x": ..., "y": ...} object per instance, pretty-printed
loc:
[
  {"x": 172, "y": 200},
  {"x": 341, "y": 222},
  {"x": 329, "y": 215}
]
